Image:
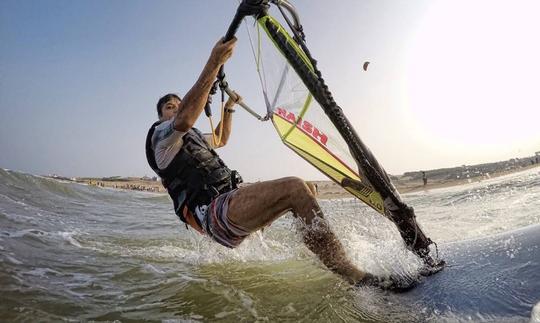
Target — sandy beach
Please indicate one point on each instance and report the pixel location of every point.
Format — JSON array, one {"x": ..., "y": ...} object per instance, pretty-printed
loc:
[{"x": 326, "y": 189}]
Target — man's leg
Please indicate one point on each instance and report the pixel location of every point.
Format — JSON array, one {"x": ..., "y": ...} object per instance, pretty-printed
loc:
[{"x": 257, "y": 205}]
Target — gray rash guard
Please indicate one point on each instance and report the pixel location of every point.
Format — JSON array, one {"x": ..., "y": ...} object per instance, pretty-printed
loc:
[{"x": 166, "y": 142}]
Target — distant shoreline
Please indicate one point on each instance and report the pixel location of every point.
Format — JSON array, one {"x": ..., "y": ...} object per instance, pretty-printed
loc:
[
  {"x": 457, "y": 182},
  {"x": 326, "y": 189}
]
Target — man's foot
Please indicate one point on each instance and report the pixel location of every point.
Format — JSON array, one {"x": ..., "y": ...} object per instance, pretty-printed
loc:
[
  {"x": 432, "y": 266},
  {"x": 392, "y": 283}
]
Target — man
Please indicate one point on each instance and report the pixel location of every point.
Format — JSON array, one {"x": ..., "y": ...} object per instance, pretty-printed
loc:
[{"x": 204, "y": 190}]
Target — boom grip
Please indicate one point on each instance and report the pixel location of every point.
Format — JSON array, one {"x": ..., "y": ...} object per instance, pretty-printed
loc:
[
  {"x": 233, "y": 27},
  {"x": 246, "y": 8}
]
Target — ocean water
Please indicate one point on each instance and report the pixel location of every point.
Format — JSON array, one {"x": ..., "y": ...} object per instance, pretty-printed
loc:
[{"x": 75, "y": 252}]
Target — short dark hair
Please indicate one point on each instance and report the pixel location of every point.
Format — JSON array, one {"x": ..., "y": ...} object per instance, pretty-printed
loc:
[{"x": 164, "y": 99}]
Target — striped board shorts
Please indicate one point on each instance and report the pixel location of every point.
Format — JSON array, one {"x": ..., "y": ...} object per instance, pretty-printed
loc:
[{"x": 217, "y": 225}]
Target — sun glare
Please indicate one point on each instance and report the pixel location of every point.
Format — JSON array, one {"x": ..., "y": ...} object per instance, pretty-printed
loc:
[{"x": 473, "y": 73}]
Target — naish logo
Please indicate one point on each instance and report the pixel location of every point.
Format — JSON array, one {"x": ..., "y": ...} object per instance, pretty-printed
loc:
[{"x": 304, "y": 125}]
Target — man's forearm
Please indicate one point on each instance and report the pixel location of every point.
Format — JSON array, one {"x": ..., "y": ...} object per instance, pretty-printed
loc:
[
  {"x": 227, "y": 125},
  {"x": 194, "y": 101}
]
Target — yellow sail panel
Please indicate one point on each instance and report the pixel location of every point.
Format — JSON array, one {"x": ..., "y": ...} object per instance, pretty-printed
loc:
[
  {"x": 311, "y": 142},
  {"x": 367, "y": 195},
  {"x": 308, "y": 142}
]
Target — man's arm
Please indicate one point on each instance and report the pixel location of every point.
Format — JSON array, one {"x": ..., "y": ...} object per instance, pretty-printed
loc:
[
  {"x": 227, "y": 121},
  {"x": 195, "y": 99}
]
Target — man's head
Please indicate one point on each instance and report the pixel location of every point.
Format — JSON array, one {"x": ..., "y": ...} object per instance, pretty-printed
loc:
[{"x": 167, "y": 106}]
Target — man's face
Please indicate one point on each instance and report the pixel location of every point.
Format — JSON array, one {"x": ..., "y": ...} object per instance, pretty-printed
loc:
[{"x": 169, "y": 109}]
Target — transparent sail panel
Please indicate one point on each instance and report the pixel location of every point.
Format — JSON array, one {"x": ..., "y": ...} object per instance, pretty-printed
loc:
[{"x": 299, "y": 119}]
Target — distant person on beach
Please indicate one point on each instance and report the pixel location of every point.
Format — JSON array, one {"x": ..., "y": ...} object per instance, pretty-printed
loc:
[
  {"x": 205, "y": 191},
  {"x": 424, "y": 178}
]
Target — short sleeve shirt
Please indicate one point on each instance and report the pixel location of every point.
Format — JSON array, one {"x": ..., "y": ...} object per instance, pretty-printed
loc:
[{"x": 167, "y": 142}]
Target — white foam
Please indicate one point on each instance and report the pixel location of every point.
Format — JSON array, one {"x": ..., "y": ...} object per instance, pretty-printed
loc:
[
  {"x": 535, "y": 314},
  {"x": 68, "y": 236},
  {"x": 154, "y": 269}
]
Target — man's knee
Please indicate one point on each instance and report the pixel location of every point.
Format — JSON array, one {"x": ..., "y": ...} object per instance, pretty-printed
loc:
[
  {"x": 296, "y": 186},
  {"x": 296, "y": 191}
]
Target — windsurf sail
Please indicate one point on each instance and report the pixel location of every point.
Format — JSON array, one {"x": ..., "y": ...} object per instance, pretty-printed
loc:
[{"x": 310, "y": 122}]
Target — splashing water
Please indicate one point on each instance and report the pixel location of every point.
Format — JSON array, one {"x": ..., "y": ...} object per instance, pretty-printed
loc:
[{"x": 70, "y": 251}]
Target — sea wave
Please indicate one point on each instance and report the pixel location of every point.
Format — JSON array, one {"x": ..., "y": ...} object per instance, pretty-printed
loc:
[{"x": 82, "y": 248}]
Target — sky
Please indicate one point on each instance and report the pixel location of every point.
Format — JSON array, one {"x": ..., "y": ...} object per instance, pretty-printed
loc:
[{"x": 449, "y": 82}]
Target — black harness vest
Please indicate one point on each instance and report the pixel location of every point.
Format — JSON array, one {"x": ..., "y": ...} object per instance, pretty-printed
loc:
[{"x": 195, "y": 175}]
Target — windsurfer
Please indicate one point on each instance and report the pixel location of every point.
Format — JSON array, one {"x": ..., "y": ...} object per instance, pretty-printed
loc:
[{"x": 205, "y": 191}]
